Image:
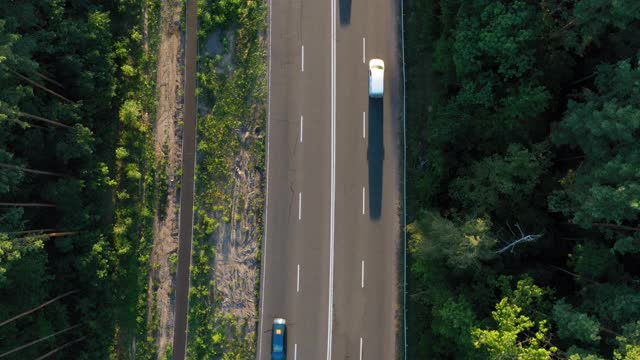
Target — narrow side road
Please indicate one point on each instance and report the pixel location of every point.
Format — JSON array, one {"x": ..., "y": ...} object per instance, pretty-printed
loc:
[{"x": 188, "y": 170}]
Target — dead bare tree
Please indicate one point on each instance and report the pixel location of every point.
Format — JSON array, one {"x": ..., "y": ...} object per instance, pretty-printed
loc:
[
  {"x": 46, "y": 236},
  {"x": 47, "y": 78},
  {"x": 38, "y": 307},
  {"x": 574, "y": 22},
  {"x": 61, "y": 347},
  {"x": 24, "y": 124},
  {"x": 32, "y": 171},
  {"x": 523, "y": 239},
  {"x": 40, "y": 86},
  {"x": 27, "y": 204},
  {"x": 577, "y": 276},
  {"x": 617, "y": 227},
  {"x": 40, "y": 118},
  {"x": 30, "y": 231},
  {"x": 37, "y": 239},
  {"x": 38, "y": 340}
]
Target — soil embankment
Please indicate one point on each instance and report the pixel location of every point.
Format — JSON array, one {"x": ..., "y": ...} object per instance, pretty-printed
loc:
[{"x": 167, "y": 148}]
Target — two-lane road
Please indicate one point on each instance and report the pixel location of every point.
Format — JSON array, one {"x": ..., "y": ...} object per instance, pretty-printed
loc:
[
  {"x": 366, "y": 309},
  {"x": 333, "y": 184},
  {"x": 295, "y": 252}
]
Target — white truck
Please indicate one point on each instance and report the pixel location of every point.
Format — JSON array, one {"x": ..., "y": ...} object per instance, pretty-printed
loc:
[{"x": 376, "y": 78}]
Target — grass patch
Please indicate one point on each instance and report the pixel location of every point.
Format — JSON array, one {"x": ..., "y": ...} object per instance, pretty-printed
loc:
[{"x": 237, "y": 95}]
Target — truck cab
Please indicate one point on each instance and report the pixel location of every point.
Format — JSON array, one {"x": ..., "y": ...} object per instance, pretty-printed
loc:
[{"x": 376, "y": 78}]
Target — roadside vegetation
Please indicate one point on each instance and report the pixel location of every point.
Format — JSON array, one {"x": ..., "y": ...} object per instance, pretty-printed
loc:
[
  {"x": 76, "y": 177},
  {"x": 232, "y": 108},
  {"x": 524, "y": 190}
]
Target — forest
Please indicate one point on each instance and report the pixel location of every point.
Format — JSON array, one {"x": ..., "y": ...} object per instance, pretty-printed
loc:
[
  {"x": 76, "y": 181},
  {"x": 523, "y": 172}
]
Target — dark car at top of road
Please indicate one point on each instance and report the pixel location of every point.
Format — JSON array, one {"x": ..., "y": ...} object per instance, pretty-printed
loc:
[{"x": 279, "y": 340}]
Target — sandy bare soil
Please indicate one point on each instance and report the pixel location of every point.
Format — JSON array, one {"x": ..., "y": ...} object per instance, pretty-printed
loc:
[
  {"x": 168, "y": 140},
  {"x": 236, "y": 242}
]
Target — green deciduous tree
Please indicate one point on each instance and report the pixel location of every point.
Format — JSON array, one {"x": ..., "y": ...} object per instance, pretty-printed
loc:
[
  {"x": 613, "y": 304},
  {"x": 574, "y": 325},
  {"x": 593, "y": 261},
  {"x": 453, "y": 321},
  {"x": 460, "y": 247},
  {"x": 11, "y": 251},
  {"x": 9, "y": 177},
  {"x": 518, "y": 335},
  {"x": 78, "y": 144},
  {"x": 575, "y": 353}
]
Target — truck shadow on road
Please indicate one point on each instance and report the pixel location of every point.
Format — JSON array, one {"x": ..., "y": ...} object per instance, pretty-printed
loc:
[
  {"x": 345, "y": 12},
  {"x": 375, "y": 157}
]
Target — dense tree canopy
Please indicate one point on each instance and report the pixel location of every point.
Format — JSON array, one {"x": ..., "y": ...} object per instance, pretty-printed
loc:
[
  {"x": 529, "y": 124},
  {"x": 58, "y": 132},
  {"x": 603, "y": 125}
]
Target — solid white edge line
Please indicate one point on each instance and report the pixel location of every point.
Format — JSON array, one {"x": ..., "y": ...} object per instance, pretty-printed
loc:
[
  {"x": 295, "y": 351},
  {"x": 301, "y": 127},
  {"x": 362, "y": 277},
  {"x": 266, "y": 207},
  {"x": 333, "y": 180},
  {"x": 299, "y": 206},
  {"x": 298, "y": 280},
  {"x": 404, "y": 183},
  {"x": 364, "y": 127},
  {"x": 302, "y": 58},
  {"x": 360, "y": 348},
  {"x": 363, "y": 197}
]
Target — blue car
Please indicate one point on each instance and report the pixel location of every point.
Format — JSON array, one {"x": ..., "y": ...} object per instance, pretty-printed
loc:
[{"x": 279, "y": 340}]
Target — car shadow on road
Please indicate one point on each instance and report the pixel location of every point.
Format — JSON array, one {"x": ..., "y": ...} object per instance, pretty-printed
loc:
[
  {"x": 375, "y": 157},
  {"x": 345, "y": 12}
]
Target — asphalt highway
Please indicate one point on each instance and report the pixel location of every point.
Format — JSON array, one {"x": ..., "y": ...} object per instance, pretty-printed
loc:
[{"x": 332, "y": 233}]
